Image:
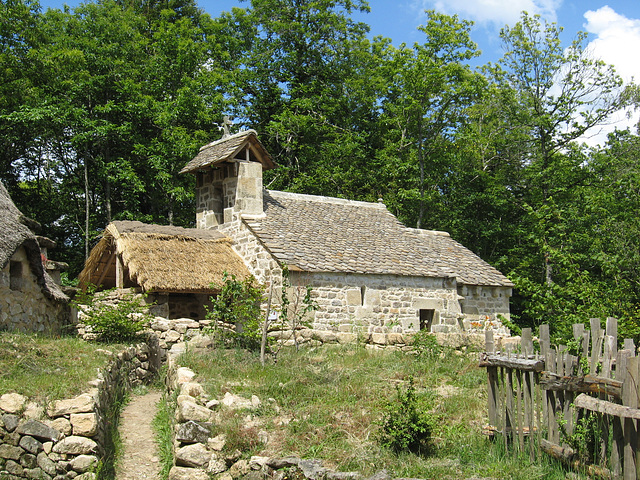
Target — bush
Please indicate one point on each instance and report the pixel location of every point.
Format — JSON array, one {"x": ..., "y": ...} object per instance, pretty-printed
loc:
[
  {"x": 114, "y": 322},
  {"x": 425, "y": 345},
  {"x": 407, "y": 425},
  {"x": 236, "y": 312}
]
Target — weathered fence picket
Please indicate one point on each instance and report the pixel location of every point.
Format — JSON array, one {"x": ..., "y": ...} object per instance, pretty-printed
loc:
[{"x": 537, "y": 400}]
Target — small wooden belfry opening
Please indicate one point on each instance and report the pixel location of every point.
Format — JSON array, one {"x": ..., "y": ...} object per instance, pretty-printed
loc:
[{"x": 179, "y": 268}]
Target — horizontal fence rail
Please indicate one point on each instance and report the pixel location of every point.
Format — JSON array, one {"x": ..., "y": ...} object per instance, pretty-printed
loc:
[{"x": 576, "y": 402}]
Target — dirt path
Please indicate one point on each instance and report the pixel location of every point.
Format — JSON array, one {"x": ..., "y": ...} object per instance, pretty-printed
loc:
[{"x": 139, "y": 459}]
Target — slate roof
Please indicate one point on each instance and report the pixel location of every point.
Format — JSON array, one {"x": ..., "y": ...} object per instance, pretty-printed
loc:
[
  {"x": 322, "y": 234},
  {"x": 227, "y": 148}
]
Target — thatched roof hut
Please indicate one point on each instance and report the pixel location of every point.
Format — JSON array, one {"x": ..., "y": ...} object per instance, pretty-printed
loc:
[
  {"x": 15, "y": 232},
  {"x": 161, "y": 259}
]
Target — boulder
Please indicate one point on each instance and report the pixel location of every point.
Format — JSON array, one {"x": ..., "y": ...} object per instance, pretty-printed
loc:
[
  {"x": 12, "y": 402},
  {"x": 195, "y": 455},
  {"x": 81, "y": 404},
  {"x": 189, "y": 410},
  {"x": 84, "y": 424},
  {"x": 192, "y": 432},
  {"x": 10, "y": 421},
  {"x": 183, "y": 473},
  {"x": 75, "y": 445},
  {"x": 31, "y": 445},
  {"x": 46, "y": 464},
  {"x": 83, "y": 463},
  {"x": 39, "y": 430}
]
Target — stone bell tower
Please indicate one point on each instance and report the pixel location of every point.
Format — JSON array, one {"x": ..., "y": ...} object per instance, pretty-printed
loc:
[{"x": 229, "y": 178}]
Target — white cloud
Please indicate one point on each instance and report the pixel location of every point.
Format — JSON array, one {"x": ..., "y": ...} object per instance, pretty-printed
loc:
[
  {"x": 494, "y": 12},
  {"x": 616, "y": 41}
]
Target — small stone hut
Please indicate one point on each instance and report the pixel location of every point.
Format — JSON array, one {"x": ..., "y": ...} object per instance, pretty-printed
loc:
[
  {"x": 370, "y": 274},
  {"x": 177, "y": 267},
  {"x": 30, "y": 299}
]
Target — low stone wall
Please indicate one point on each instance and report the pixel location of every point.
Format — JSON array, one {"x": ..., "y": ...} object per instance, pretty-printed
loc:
[{"x": 66, "y": 439}]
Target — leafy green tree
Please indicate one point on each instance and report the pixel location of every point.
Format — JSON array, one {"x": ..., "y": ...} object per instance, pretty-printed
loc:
[{"x": 430, "y": 87}]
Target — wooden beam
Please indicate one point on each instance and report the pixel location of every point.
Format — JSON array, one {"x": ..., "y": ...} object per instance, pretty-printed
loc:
[
  {"x": 119, "y": 272},
  {"x": 526, "y": 364},
  {"x": 585, "y": 384},
  {"x": 603, "y": 406}
]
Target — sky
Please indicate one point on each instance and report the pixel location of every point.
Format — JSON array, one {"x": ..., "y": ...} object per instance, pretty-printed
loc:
[{"x": 613, "y": 27}]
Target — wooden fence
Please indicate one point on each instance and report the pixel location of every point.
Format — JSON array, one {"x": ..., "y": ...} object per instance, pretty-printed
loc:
[{"x": 576, "y": 402}]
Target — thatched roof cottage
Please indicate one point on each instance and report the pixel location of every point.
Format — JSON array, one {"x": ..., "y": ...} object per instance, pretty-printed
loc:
[
  {"x": 178, "y": 267},
  {"x": 30, "y": 299},
  {"x": 370, "y": 274}
]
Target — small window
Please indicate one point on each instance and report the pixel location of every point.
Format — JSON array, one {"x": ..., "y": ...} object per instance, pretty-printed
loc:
[
  {"x": 363, "y": 291},
  {"x": 426, "y": 319},
  {"x": 15, "y": 275}
]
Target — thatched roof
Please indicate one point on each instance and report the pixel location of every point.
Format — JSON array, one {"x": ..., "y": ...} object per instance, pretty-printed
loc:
[
  {"x": 162, "y": 258},
  {"x": 227, "y": 148},
  {"x": 322, "y": 234},
  {"x": 14, "y": 234}
]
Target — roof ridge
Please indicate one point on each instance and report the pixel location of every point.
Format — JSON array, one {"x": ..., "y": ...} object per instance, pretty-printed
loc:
[
  {"x": 323, "y": 199},
  {"x": 230, "y": 137},
  {"x": 421, "y": 231}
]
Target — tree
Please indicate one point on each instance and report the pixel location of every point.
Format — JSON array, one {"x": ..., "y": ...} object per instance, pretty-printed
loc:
[
  {"x": 552, "y": 97},
  {"x": 430, "y": 88}
]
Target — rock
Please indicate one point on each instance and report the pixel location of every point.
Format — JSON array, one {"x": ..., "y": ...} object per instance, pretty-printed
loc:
[
  {"x": 381, "y": 475},
  {"x": 189, "y": 410},
  {"x": 192, "y": 389},
  {"x": 172, "y": 336},
  {"x": 46, "y": 464},
  {"x": 183, "y": 473},
  {"x": 216, "y": 465},
  {"x": 312, "y": 469},
  {"x": 81, "y": 404},
  {"x": 256, "y": 462},
  {"x": 285, "y": 462},
  {"x": 239, "y": 469},
  {"x": 213, "y": 404},
  {"x": 33, "y": 410},
  {"x": 178, "y": 349},
  {"x": 28, "y": 461},
  {"x": 195, "y": 455},
  {"x": 83, "y": 463},
  {"x": 31, "y": 445},
  {"x": 10, "y": 421},
  {"x": 10, "y": 452},
  {"x": 236, "y": 402},
  {"x": 84, "y": 424},
  {"x": 13, "y": 468},
  {"x": 160, "y": 324},
  {"x": 36, "y": 474},
  {"x": 192, "y": 432},
  {"x": 324, "y": 336},
  {"x": 217, "y": 443},
  {"x": 39, "y": 430},
  {"x": 86, "y": 476},
  {"x": 184, "y": 375},
  {"x": 12, "y": 402},
  {"x": 60, "y": 424},
  {"x": 75, "y": 445},
  {"x": 263, "y": 437}
]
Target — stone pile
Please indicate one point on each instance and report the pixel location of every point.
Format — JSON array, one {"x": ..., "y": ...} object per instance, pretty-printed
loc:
[{"x": 66, "y": 439}]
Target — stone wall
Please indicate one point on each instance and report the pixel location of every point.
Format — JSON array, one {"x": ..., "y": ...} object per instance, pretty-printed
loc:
[
  {"x": 66, "y": 438},
  {"x": 256, "y": 257},
  {"x": 23, "y": 305}
]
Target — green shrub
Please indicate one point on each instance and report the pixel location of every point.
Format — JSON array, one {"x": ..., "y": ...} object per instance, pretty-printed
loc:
[
  {"x": 407, "y": 424},
  {"x": 236, "y": 312},
  {"x": 425, "y": 345},
  {"x": 114, "y": 322}
]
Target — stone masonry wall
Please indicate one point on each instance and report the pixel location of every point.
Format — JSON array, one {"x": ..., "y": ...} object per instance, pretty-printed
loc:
[
  {"x": 380, "y": 303},
  {"x": 259, "y": 261},
  {"x": 66, "y": 439},
  {"x": 27, "y": 309}
]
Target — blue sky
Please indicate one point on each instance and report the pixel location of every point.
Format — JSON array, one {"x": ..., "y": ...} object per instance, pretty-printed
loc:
[{"x": 613, "y": 27}]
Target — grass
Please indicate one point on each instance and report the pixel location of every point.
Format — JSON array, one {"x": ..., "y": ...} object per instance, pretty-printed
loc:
[
  {"x": 44, "y": 368},
  {"x": 163, "y": 427},
  {"x": 328, "y": 403}
]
